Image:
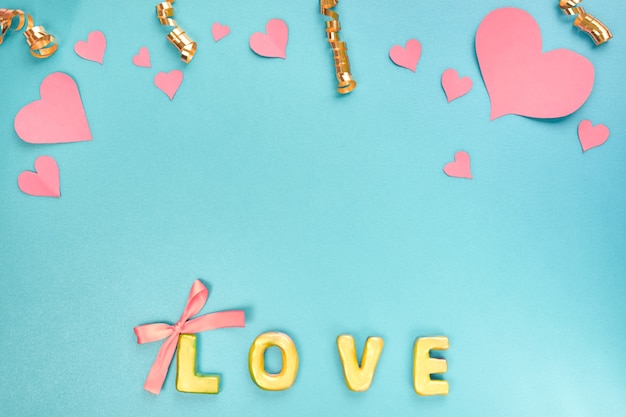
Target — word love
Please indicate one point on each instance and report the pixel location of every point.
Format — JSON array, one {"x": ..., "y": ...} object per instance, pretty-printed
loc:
[{"x": 358, "y": 376}]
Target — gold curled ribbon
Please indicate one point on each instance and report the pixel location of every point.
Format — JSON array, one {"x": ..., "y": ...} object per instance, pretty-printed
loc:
[
  {"x": 177, "y": 37},
  {"x": 340, "y": 50},
  {"x": 586, "y": 22},
  {"x": 41, "y": 43}
]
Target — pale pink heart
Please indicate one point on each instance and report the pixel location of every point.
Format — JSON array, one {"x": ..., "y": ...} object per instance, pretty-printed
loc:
[
  {"x": 453, "y": 85},
  {"x": 406, "y": 57},
  {"x": 93, "y": 49},
  {"x": 272, "y": 43},
  {"x": 142, "y": 59},
  {"x": 59, "y": 116},
  {"x": 44, "y": 182},
  {"x": 219, "y": 31},
  {"x": 592, "y": 136},
  {"x": 168, "y": 82},
  {"x": 520, "y": 78},
  {"x": 460, "y": 167}
]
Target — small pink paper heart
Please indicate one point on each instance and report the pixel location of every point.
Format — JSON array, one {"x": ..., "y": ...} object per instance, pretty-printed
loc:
[
  {"x": 274, "y": 43},
  {"x": 93, "y": 49},
  {"x": 453, "y": 85},
  {"x": 460, "y": 168},
  {"x": 59, "y": 117},
  {"x": 522, "y": 79},
  {"x": 592, "y": 136},
  {"x": 44, "y": 182},
  {"x": 406, "y": 57},
  {"x": 219, "y": 31},
  {"x": 142, "y": 59},
  {"x": 168, "y": 82}
]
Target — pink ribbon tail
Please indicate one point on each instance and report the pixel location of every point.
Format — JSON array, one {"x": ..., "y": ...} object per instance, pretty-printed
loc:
[{"x": 158, "y": 371}]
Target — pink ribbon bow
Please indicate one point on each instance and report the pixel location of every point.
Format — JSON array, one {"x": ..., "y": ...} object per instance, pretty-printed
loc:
[{"x": 158, "y": 331}]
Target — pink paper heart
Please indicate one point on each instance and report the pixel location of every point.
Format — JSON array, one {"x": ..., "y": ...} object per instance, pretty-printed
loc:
[
  {"x": 460, "y": 167},
  {"x": 59, "y": 117},
  {"x": 93, "y": 49},
  {"x": 168, "y": 82},
  {"x": 273, "y": 43},
  {"x": 406, "y": 57},
  {"x": 219, "y": 31},
  {"x": 44, "y": 182},
  {"x": 453, "y": 85},
  {"x": 520, "y": 78},
  {"x": 142, "y": 59},
  {"x": 592, "y": 136}
]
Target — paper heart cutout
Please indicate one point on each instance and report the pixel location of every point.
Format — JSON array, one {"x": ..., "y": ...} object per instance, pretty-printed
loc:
[
  {"x": 592, "y": 136},
  {"x": 93, "y": 49},
  {"x": 44, "y": 182},
  {"x": 168, "y": 82},
  {"x": 142, "y": 59},
  {"x": 455, "y": 86},
  {"x": 460, "y": 167},
  {"x": 407, "y": 57},
  {"x": 59, "y": 117},
  {"x": 520, "y": 78},
  {"x": 273, "y": 43},
  {"x": 219, "y": 31}
]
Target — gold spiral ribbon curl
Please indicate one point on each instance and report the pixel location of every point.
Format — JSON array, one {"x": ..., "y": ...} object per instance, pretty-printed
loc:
[
  {"x": 185, "y": 45},
  {"x": 41, "y": 44},
  {"x": 586, "y": 22},
  {"x": 340, "y": 50}
]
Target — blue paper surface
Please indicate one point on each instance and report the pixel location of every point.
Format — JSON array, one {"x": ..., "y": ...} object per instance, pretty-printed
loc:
[{"x": 318, "y": 214}]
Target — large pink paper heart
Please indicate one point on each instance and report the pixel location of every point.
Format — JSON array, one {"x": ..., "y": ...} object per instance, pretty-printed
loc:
[
  {"x": 219, "y": 31},
  {"x": 272, "y": 43},
  {"x": 44, "y": 182},
  {"x": 520, "y": 78},
  {"x": 460, "y": 167},
  {"x": 59, "y": 116},
  {"x": 455, "y": 86},
  {"x": 592, "y": 136},
  {"x": 406, "y": 57},
  {"x": 93, "y": 49},
  {"x": 142, "y": 59},
  {"x": 168, "y": 82}
]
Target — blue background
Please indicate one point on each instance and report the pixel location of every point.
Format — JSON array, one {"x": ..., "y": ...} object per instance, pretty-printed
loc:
[{"x": 319, "y": 214}]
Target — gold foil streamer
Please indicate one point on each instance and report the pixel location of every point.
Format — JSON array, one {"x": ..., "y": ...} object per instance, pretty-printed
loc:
[
  {"x": 41, "y": 44},
  {"x": 177, "y": 37},
  {"x": 340, "y": 50},
  {"x": 586, "y": 22}
]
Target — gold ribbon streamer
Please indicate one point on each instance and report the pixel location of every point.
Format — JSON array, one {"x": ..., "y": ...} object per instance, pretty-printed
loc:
[
  {"x": 586, "y": 22},
  {"x": 185, "y": 45},
  {"x": 340, "y": 50},
  {"x": 41, "y": 44}
]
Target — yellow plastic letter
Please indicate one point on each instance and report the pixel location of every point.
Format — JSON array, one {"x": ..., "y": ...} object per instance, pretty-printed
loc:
[
  {"x": 359, "y": 377},
  {"x": 256, "y": 362},
  {"x": 424, "y": 366},
  {"x": 186, "y": 378}
]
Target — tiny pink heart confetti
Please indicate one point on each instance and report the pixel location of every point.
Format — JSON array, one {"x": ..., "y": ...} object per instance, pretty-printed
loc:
[
  {"x": 59, "y": 117},
  {"x": 592, "y": 136},
  {"x": 272, "y": 43},
  {"x": 169, "y": 82},
  {"x": 407, "y": 57},
  {"x": 93, "y": 49},
  {"x": 523, "y": 80},
  {"x": 44, "y": 181},
  {"x": 460, "y": 167},
  {"x": 455, "y": 86},
  {"x": 219, "y": 31},
  {"x": 142, "y": 59}
]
